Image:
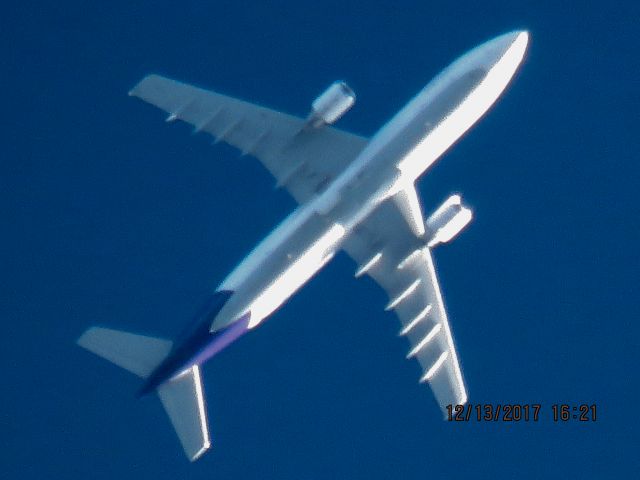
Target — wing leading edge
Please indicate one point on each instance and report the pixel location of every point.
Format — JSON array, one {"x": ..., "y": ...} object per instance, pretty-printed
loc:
[{"x": 387, "y": 249}]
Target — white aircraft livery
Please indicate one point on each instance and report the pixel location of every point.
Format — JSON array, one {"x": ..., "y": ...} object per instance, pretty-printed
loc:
[{"x": 354, "y": 194}]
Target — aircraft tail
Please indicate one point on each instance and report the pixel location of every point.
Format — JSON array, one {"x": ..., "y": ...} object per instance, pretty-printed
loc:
[
  {"x": 183, "y": 399},
  {"x": 182, "y": 396}
]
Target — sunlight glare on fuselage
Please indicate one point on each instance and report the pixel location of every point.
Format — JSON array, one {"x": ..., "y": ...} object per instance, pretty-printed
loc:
[{"x": 300, "y": 270}]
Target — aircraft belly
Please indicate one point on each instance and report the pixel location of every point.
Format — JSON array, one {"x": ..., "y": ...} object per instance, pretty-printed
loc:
[{"x": 278, "y": 267}]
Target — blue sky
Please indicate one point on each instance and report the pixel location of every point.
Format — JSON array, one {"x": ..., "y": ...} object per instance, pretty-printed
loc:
[{"x": 113, "y": 217}]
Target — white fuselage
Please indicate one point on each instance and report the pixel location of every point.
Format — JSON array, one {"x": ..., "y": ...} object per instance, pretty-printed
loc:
[{"x": 401, "y": 151}]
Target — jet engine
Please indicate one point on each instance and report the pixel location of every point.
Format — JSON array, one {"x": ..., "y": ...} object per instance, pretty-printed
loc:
[
  {"x": 447, "y": 221},
  {"x": 332, "y": 104}
]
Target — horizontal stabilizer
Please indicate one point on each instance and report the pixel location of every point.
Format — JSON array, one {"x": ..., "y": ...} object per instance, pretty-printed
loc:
[
  {"x": 137, "y": 353},
  {"x": 183, "y": 399}
]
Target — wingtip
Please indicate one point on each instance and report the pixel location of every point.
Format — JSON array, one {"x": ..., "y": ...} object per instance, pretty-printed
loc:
[
  {"x": 81, "y": 341},
  {"x": 146, "y": 78}
]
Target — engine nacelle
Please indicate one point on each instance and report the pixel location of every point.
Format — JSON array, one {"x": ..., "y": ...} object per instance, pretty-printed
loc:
[
  {"x": 332, "y": 104},
  {"x": 447, "y": 221}
]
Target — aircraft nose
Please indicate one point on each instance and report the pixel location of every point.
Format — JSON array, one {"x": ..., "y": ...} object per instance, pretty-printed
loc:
[
  {"x": 514, "y": 43},
  {"x": 506, "y": 50},
  {"x": 505, "y": 41}
]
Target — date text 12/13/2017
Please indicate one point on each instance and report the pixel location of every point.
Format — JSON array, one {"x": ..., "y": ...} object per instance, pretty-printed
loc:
[{"x": 515, "y": 412}]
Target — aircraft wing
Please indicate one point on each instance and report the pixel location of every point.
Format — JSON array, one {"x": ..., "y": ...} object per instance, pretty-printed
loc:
[
  {"x": 387, "y": 249},
  {"x": 304, "y": 161}
]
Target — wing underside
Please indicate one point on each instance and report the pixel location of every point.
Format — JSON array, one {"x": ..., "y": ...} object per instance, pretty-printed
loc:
[
  {"x": 303, "y": 160},
  {"x": 387, "y": 249}
]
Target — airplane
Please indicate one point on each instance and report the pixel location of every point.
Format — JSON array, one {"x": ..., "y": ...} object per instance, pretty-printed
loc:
[{"x": 354, "y": 194}]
